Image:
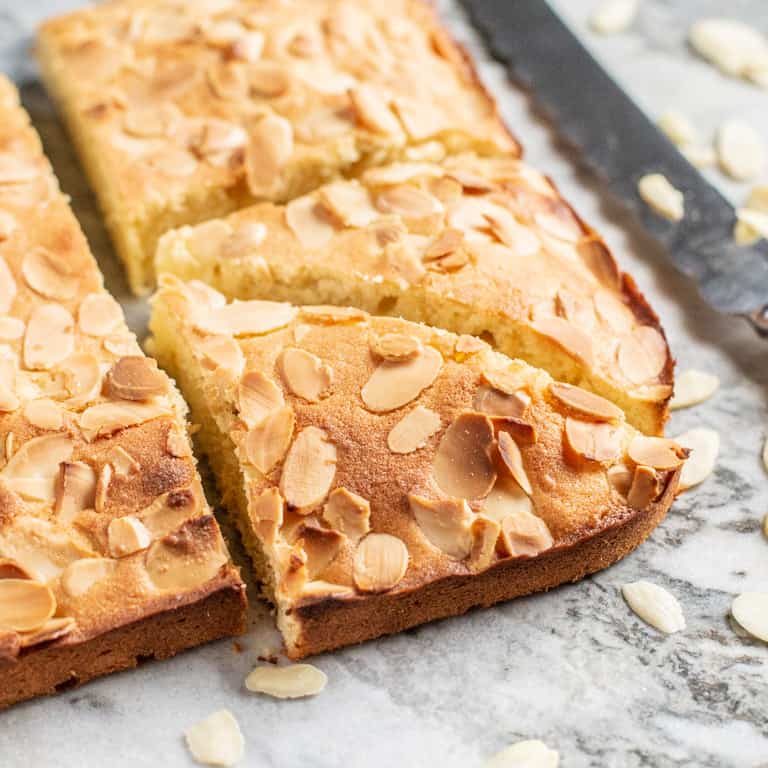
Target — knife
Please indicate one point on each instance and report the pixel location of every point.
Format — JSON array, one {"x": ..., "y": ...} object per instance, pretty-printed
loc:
[{"x": 620, "y": 144}]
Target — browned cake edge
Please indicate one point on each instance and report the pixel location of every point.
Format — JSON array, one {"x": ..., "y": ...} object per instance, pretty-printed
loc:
[
  {"x": 332, "y": 623},
  {"x": 55, "y": 667}
]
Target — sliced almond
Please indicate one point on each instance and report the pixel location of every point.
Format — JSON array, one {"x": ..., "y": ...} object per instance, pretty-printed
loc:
[
  {"x": 372, "y": 110},
  {"x": 348, "y": 513},
  {"x": 265, "y": 511},
  {"x": 82, "y": 575},
  {"x": 678, "y": 128},
  {"x": 567, "y": 336},
  {"x": 500, "y": 404},
  {"x": 122, "y": 462},
  {"x": 613, "y": 16},
  {"x": 349, "y": 203},
  {"x": 269, "y": 149},
  {"x": 750, "y": 610},
  {"x": 642, "y": 354},
  {"x": 268, "y": 440},
  {"x": 446, "y": 243},
  {"x": 25, "y": 605},
  {"x": 655, "y": 606},
  {"x": 7, "y": 226},
  {"x": 413, "y": 430},
  {"x": 511, "y": 233},
  {"x": 292, "y": 682},
  {"x": 445, "y": 522},
  {"x": 408, "y": 201},
  {"x": 729, "y": 44},
  {"x": 7, "y": 287},
  {"x": 222, "y": 352},
  {"x": 102, "y": 488},
  {"x": 309, "y": 469},
  {"x": 644, "y": 488},
  {"x": 704, "y": 445},
  {"x": 11, "y": 328},
  {"x": 506, "y": 498},
  {"x": 269, "y": 80},
  {"x": 657, "y": 191},
  {"x": 32, "y": 471},
  {"x": 82, "y": 378},
  {"x": 53, "y": 629},
  {"x": 127, "y": 535},
  {"x": 308, "y": 221},
  {"x": 170, "y": 510},
  {"x": 741, "y": 150},
  {"x": 99, "y": 314},
  {"x": 49, "y": 338},
  {"x": 484, "y": 533},
  {"x": 44, "y": 413},
  {"x": 257, "y": 396},
  {"x": 216, "y": 740},
  {"x": 586, "y": 403},
  {"x": 45, "y": 274},
  {"x": 177, "y": 443},
  {"x": 246, "y": 318},
  {"x": 108, "y": 418},
  {"x": 525, "y": 754},
  {"x": 136, "y": 378},
  {"x": 513, "y": 461},
  {"x": 462, "y": 466},
  {"x": 656, "y": 452},
  {"x": 524, "y": 534},
  {"x": 380, "y": 562},
  {"x": 591, "y": 441},
  {"x": 321, "y": 546},
  {"x": 395, "y": 383},
  {"x": 692, "y": 387},
  {"x": 305, "y": 374},
  {"x": 395, "y": 346},
  {"x": 75, "y": 490},
  {"x": 620, "y": 477}
]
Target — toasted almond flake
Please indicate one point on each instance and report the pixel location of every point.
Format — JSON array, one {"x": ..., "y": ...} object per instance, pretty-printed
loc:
[
  {"x": 222, "y": 352},
  {"x": 309, "y": 469},
  {"x": 320, "y": 545},
  {"x": 25, "y": 605},
  {"x": 484, "y": 533},
  {"x": 82, "y": 378},
  {"x": 395, "y": 383},
  {"x": 620, "y": 477},
  {"x": 292, "y": 569},
  {"x": 704, "y": 445},
  {"x": 34, "y": 467},
  {"x": 692, "y": 387},
  {"x": 107, "y": 418},
  {"x": 127, "y": 535},
  {"x": 44, "y": 273},
  {"x": 413, "y": 430},
  {"x": 348, "y": 203},
  {"x": 446, "y": 243},
  {"x": 330, "y": 315},
  {"x": 506, "y": 498},
  {"x": 136, "y": 378},
  {"x": 322, "y": 589},
  {"x": 586, "y": 403},
  {"x": 655, "y": 606},
  {"x": 7, "y": 287},
  {"x": 397, "y": 173},
  {"x": 613, "y": 16},
  {"x": 218, "y": 137},
  {"x": 265, "y": 511},
  {"x": 591, "y": 441},
  {"x": 750, "y": 610},
  {"x": 731, "y": 45},
  {"x": 445, "y": 522},
  {"x": 7, "y": 225},
  {"x": 75, "y": 490},
  {"x": 99, "y": 314},
  {"x": 462, "y": 466},
  {"x": 699, "y": 155},
  {"x": 408, "y": 201},
  {"x": 642, "y": 354},
  {"x": 268, "y": 79},
  {"x": 269, "y": 148},
  {"x": 395, "y": 346},
  {"x": 305, "y": 374},
  {"x": 257, "y": 396},
  {"x": 513, "y": 461},
  {"x": 525, "y": 754},
  {"x": 149, "y": 122},
  {"x": 216, "y": 740},
  {"x": 49, "y": 338},
  {"x": 11, "y": 328},
  {"x": 246, "y": 238},
  {"x": 511, "y": 233},
  {"x": 268, "y": 440},
  {"x": 644, "y": 488},
  {"x": 567, "y": 336},
  {"x": 246, "y": 318},
  {"x": 173, "y": 162},
  {"x": 292, "y": 682},
  {"x": 348, "y": 513},
  {"x": 525, "y": 534},
  {"x": 53, "y": 629},
  {"x": 82, "y": 575},
  {"x": 380, "y": 563},
  {"x": 678, "y": 128},
  {"x": 741, "y": 151},
  {"x": 122, "y": 344},
  {"x": 44, "y": 414},
  {"x": 170, "y": 510},
  {"x": 656, "y": 190},
  {"x": 656, "y": 452}
]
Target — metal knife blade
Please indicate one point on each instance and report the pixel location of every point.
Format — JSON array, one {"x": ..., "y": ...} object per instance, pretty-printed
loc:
[{"x": 618, "y": 142}]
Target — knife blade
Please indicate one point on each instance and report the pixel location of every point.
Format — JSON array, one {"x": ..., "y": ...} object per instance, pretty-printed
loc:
[{"x": 620, "y": 144}]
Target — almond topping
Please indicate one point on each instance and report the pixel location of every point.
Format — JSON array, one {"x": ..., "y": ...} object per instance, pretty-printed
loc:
[
  {"x": 741, "y": 150},
  {"x": 692, "y": 387},
  {"x": 380, "y": 562},
  {"x": 509, "y": 382},
  {"x": 656, "y": 452},
  {"x": 408, "y": 201},
  {"x": 257, "y": 396},
  {"x": 246, "y": 318},
  {"x": 331, "y": 315},
  {"x": 372, "y": 110},
  {"x": 445, "y": 523},
  {"x": 704, "y": 445},
  {"x": 102, "y": 488},
  {"x": 485, "y": 534},
  {"x": 750, "y": 610},
  {"x": 222, "y": 352},
  {"x": 49, "y": 338},
  {"x": 644, "y": 488},
  {"x": 348, "y": 203},
  {"x": 320, "y": 545},
  {"x": 413, "y": 430},
  {"x": 82, "y": 378},
  {"x": 7, "y": 225},
  {"x": 642, "y": 354},
  {"x": 82, "y": 575},
  {"x": 265, "y": 513},
  {"x": 594, "y": 442},
  {"x": 33, "y": 469},
  {"x": 11, "y": 328},
  {"x": 348, "y": 513},
  {"x": 44, "y": 414},
  {"x": 45, "y": 274},
  {"x": 267, "y": 441},
  {"x": 511, "y": 233},
  {"x": 122, "y": 462},
  {"x": 268, "y": 79},
  {"x": 571, "y": 339},
  {"x": 463, "y": 466},
  {"x": 657, "y": 191},
  {"x": 53, "y": 629},
  {"x": 493, "y": 402},
  {"x": 448, "y": 241},
  {"x": 655, "y": 606},
  {"x": 269, "y": 149},
  {"x": 531, "y": 753},
  {"x": 99, "y": 314},
  {"x": 586, "y": 403},
  {"x": 75, "y": 490},
  {"x": 177, "y": 443},
  {"x": 309, "y": 222},
  {"x": 305, "y": 374},
  {"x": 292, "y": 682},
  {"x": 505, "y": 498},
  {"x": 7, "y": 287},
  {"x": 513, "y": 461},
  {"x": 127, "y": 535},
  {"x": 217, "y": 740},
  {"x": 620, "y": 477},
  {"x": 393, "y": 384},
  {"x": 136, "y": 378},
  {"x": 395, "y": 346},
  {"x": 170, "y": 510},
  {"x": 309, "y": 469},
  {"x": 525, "y": 534},
  {"x": 25, "y": 605},
  {"x": 107, "y": 418}
]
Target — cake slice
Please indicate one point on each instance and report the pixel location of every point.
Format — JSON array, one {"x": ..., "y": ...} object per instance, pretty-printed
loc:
[
  {"x": 185, "y": 111},
  {"x": 483, "y": 246},
  {"x": 385, "y": 473},
  {"x": 108, "y": 551}
]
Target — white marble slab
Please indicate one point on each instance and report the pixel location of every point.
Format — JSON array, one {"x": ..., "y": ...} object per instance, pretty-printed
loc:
[{"x": 573, "y": 667}]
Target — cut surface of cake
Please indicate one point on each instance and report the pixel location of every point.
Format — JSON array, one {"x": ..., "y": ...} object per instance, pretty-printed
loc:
[
  {"x": 482, "y": 246},
  {"x": 384, "y": 473},
  {"x": 183, "y": 111},
  {"x": 108, "y": 551}
]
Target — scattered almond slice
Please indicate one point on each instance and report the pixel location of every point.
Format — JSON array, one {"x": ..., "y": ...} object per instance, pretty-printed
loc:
[
  {"x": 586, "y": 403},
  {"x": 644, "y": 487},
  {"x": 413, "y": 430},
  {"x": 525, "y": 754},
  {"x": 523, "y": 533},
  {"x": 136, "y": 378},
  {"x": 678, "y": 128},
  {"x": 751, "y": 226},
  {"x": 657, "y": 452},
  {"x": 693, "y": 387},
  {"x": 305, "y": 374},
  {"x": 217, "y": 740},
  {"x": 268, "y": 440},
  {"x": 246, "y": 318},
  {"x": 82, "y": 575},
  {"x": 655, "y": 606},
  {"x": 613, "y": 16},
  {"x": 257, "y": 396},
  {"x": 49, "y": 338},
  {"x": 445, "y": 522},
  {"x": 592, "y": 441},
  {"x": 735, "y": 48},
  {"x": 309, "y": 469},
  {"x": 380, "y": 563},
  {"x": 307, "y": 221},
  {"x": 513, "y": 461},
  {"x": 25, "y": 605},
  {"x": 699, "y": 155},
  {"x": 704, "y": 445},
  {"x": 348, "y": 513},
  {"x": 642, "y": 354},
  {"x": 741, "y": 151},
  {"x": 656, "y": 190},
  {"x": 750, "y": 610},
  {"x": 127, "y": 535},
  {"x": 395, "y": 383},
  {"x": 292, "y": 682}
]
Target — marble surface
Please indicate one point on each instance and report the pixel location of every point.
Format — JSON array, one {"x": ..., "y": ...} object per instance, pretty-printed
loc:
[{"x": 573, "y": 667}]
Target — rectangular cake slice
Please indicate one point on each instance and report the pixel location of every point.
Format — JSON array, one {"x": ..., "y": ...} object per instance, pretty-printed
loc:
[
  {"x": 484, "y": 246},
  {"x": 184, "y": 111},
  {"x": 108, "y": 551},
  {"x": 385, "y": 473}
]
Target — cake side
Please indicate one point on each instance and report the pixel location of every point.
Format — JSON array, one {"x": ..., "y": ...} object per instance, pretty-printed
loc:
[
  {"x": 104, "y": 528},
  {"x": 184, "y": 111},
  {"x": 378, "y": 467},
  {"x": 483, "y": 246}
]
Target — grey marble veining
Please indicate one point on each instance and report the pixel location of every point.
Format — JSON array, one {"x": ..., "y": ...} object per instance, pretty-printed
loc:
[{"x": 574, "y": 667}]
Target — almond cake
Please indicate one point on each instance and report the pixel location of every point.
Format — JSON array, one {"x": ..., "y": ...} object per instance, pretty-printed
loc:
[
  {"x": 108, "y": 551},
  {"x": 184, "y": 111},
  {"x": 384, "y": 473},
  {"x": 484, "y": 246}
]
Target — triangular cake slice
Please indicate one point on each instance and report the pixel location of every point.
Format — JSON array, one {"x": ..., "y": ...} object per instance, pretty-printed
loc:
[
  {"x": 109, "y": 553},
  {"x": 384, "y": 473},
  {"x": 484, "y": 246}
]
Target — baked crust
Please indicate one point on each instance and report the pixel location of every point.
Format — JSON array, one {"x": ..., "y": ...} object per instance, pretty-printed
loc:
[
  {"x": 103, "y": 522},
  {"x": 183, "y": 112},
  {"x": 476, "y": 245},
  {"x": 378, "y": 469}
]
